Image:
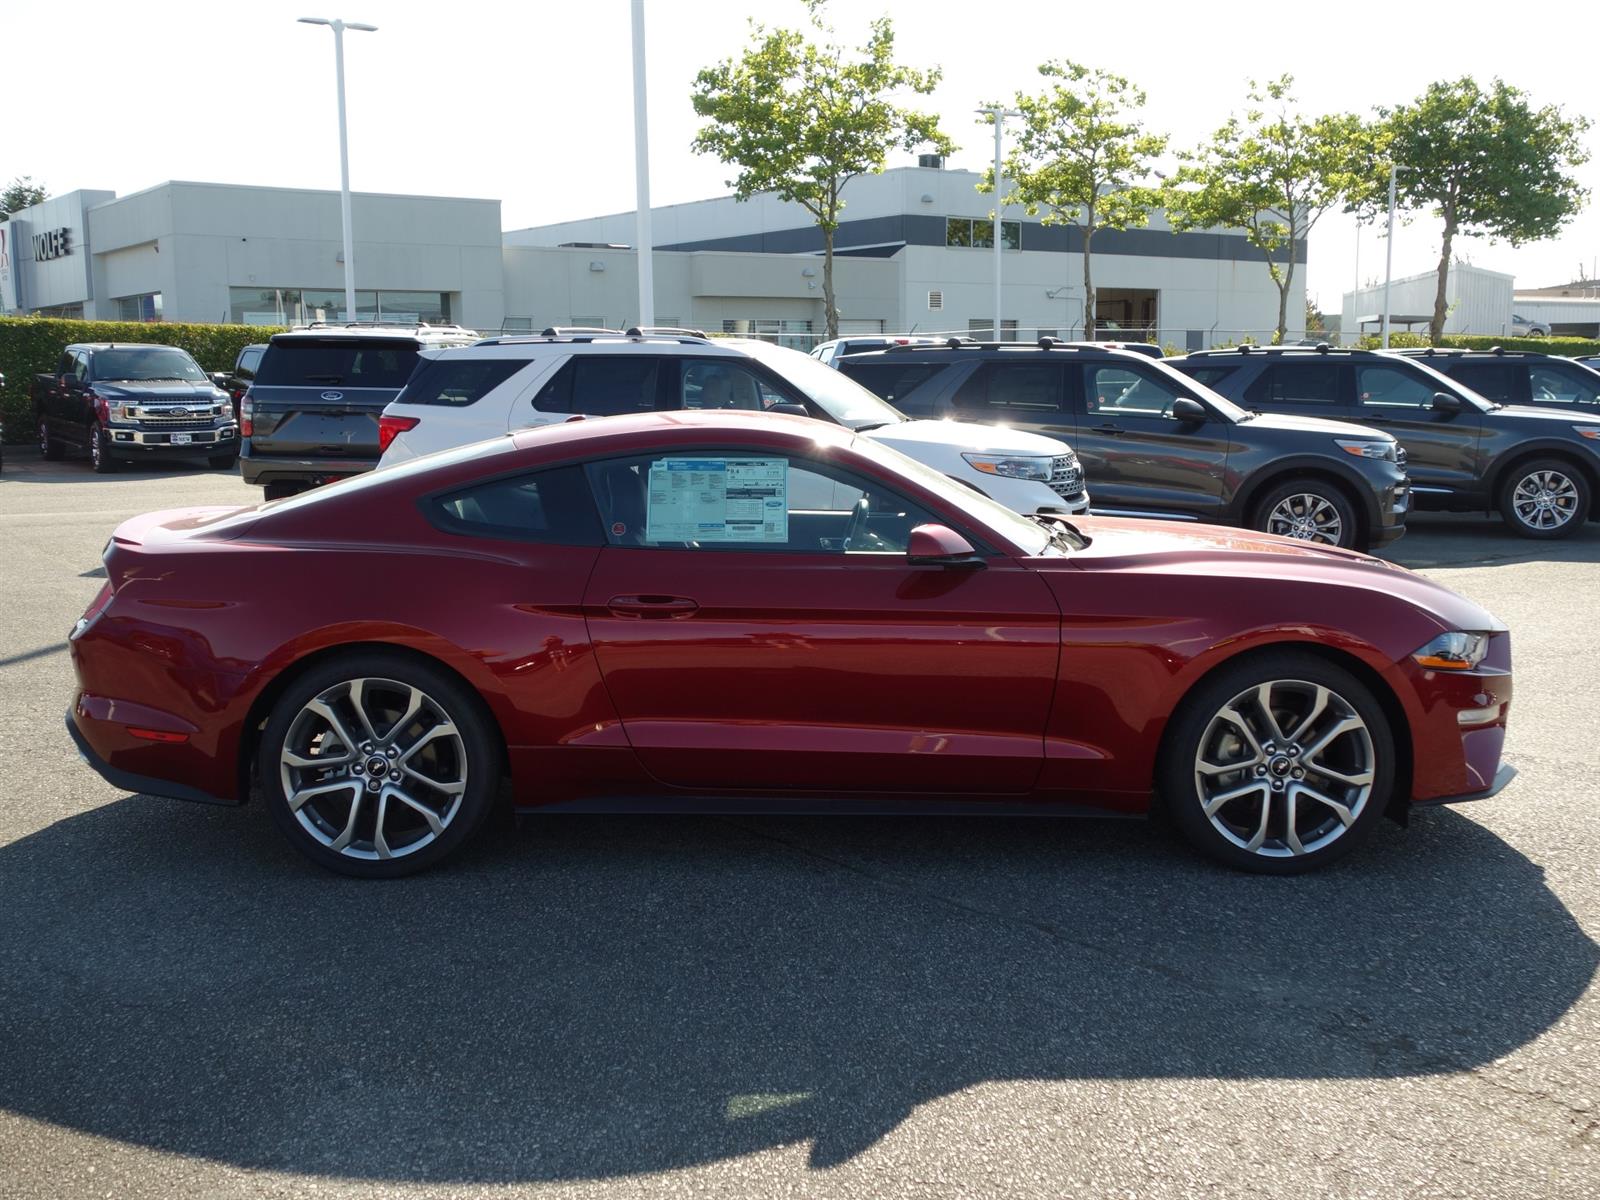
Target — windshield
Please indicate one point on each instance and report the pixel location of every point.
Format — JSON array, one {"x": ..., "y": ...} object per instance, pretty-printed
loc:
[
  {"x": 1444, "y": 383},
  {"x": 842, "y": 398},
  {"x": 136, "y": 365},
  {"x": 1009, "y": 525},
  {"x": 1192, "y": 386}
]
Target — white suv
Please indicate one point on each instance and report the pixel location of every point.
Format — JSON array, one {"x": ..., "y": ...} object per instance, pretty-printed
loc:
[{"x": 509, "y": 383}]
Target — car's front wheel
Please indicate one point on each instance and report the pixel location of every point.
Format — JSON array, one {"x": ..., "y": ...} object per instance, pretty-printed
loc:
[
  {"x": 1278, "y": 765},
  {"x": 100, "y": 456},
  {"x": 1308, "y": 510},
  {"x": 378, "y": 765},
  {"x": 1545, "y": 498}
]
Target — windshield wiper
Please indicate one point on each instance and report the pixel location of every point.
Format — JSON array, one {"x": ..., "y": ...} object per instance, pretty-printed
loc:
[
  {"x": 871, "y": 425},
  {"x": 1062, "y": 531}
]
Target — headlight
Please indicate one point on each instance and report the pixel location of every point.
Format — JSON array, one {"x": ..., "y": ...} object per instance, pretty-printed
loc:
[
  {"x": 1591, "y": 432},
  {"x": 1010, "y": 466},
  {"x": 120, "y": 412},
  {"x": 1366, "y": 449},
  {"x": 1453, "y": 651}
]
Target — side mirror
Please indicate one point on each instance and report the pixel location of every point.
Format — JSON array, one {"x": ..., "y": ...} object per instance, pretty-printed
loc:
[
  {"x": 1185, "y": 409},
  {"x": 1445, "y": 402},
  {"x": 219, "y": 379},
  {"x": 788, "y": 408},
  {"x": 940, "y": 546}
]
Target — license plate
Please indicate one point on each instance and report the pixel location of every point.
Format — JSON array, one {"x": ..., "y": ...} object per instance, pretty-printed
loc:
[{"x": 182, "y": 439}]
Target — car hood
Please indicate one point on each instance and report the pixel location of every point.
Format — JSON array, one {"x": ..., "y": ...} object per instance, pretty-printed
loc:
[
  {"x": 1570, "y": 415},
  {"x": 970, "y": 436},
  {"x": 1325, "y": 425},
  {"x": 158, "y": 389},
  {"x": 1122, "y": 544}
]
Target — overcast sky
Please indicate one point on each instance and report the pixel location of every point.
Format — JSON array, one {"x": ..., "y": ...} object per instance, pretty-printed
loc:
[{"x": 531, "y": 103}]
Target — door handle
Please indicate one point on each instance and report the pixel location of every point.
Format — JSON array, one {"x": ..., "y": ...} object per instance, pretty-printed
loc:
[
  {"x": 1109, "y": 430},
  {"x": 651, "y": 607}
]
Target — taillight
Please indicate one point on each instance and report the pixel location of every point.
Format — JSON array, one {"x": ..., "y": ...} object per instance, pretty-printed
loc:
[
  {"x": 247, "y": 409},
  {"x": 390, "y": 428}
]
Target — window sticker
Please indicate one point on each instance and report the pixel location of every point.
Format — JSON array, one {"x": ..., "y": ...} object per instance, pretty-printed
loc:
[{"x": 718, "y": 500}]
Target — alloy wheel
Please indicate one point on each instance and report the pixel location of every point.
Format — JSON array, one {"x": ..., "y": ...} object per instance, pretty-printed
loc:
[
  {"x": 1307, "y": 517},
  {"x": 1545, "y": 499},
  {"x": 374, "y": 768},
  {"x": 44, "y": 438},
  {"x": 1285, "y": 768},
  {"x": 97, "y": 450}
]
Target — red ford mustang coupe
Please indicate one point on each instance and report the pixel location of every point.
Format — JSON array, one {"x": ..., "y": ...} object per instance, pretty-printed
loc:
[{"x": 743, "y": 611}]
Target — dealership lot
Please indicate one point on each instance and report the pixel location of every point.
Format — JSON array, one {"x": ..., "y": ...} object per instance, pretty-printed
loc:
[{"x": 745, "y": 1006}]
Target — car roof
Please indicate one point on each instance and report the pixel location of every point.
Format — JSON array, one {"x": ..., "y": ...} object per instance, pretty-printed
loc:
[
  {"x": 583, "y": 434},
  {"x": 124, "y": 346},
  {"x": 961, "y": 350},
  {"x": 356, "y": 331},
  {"x": 1452, "y": 352}
]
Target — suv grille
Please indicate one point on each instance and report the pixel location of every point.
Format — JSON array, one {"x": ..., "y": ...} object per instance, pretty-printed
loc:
[
  {"x": 165, "y": 418},
  {"x": 1066, "y": 476}
]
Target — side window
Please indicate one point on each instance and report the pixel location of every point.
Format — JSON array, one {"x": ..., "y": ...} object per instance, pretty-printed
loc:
[
  {"x": 546, "y": 506},
  {"x": 1391, "y": 387},
  {"x": 1492, "y": 381},
  {"x": 248, "y": 361},
  {"x": 80, "y": 365},
  {"x": 1028, "y": 390},
  {"x": 602, "y": 385},
  {"x": 68, "y": 361},
  {"x": 722, "y": 384},
  {"x": 710, "y": 500},
  {"x": 891, "y": 380},
  {"x": 1119, "y": 391},
  {"x": 1295, "y": 383},
  {"x": 457, "y": 382},
  {"x": 1551, "y": 384}
]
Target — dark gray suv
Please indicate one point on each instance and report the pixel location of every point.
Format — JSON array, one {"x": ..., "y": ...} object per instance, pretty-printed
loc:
[
  {"x": 1156, "y": 443},
  {"x": 1538, "y": 465}
]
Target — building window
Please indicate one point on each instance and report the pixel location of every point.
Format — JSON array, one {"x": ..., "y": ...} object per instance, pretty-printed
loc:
[
  {"x": 978, "y": 232},
  {"x": 984, "y": 330},
  {"x": 300, "y": 306},
  {"x": 796, "y": 335},
  {"x": 139, "y": 308}
]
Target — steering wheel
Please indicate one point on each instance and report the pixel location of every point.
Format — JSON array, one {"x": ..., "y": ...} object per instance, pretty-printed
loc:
[{"x": 858, "y": 535}]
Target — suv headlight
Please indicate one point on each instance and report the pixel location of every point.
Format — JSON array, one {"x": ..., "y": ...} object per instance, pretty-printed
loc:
[
  {"x": 120, "y": 412},
  {"x": 1454, "y": 651},
  {"x": 1366, "y": 448},
  {"x": 1011, "y": 466}
]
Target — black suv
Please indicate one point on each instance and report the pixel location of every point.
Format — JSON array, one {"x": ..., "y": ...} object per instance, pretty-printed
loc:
[
  {"x": 310, "y": 414},
  {"x": 1518, "y": 377},
  {"x": 1155, "y": 443},
  {"x": 1538, "y": 466}
]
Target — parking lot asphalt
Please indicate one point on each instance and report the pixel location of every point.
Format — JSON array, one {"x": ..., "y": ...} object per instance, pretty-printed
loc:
[{"x": 673, "y": 1006}]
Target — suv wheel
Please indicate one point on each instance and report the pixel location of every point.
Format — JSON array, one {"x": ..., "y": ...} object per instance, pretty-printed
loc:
[
  {"x": 1545, "y": 498},
  {"x": 1278, "y": 765},
  {"x": 49, "y": 448},
  {"x": 1308, "y": 510},
  {"x": 100, "y": 456}
]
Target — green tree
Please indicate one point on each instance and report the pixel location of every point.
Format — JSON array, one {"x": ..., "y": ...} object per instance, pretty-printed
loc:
[
  {"x": 22, "y": 192},
  {"x": 1488, "y": 163},
  {"x": 802, "y": 119},
  {"x": 1314, "y": 319},
  {"x": 1081, "y": 158},
  {"x": 1273, "y": 175}
]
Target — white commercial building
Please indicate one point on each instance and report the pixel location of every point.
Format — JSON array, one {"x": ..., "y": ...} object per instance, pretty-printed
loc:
[
  {"x": 914, "y": 253},
  {"x": 1476, "y": 302}
]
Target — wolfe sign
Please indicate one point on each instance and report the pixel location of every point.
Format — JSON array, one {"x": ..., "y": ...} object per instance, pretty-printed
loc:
[{"x": 52, "y": 243}]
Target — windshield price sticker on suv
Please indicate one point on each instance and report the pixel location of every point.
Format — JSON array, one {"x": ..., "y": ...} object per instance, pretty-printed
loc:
[{"x": 718, "y": 500}]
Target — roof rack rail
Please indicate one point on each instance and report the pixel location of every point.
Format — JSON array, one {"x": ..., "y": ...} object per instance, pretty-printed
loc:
[
  {"x": 550, "y": 331},
  {"x": 383, "y": 323},
  {"x": 655, "y": 330}
]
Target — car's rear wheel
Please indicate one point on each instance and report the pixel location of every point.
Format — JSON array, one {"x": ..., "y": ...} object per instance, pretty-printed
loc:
[
  {"x": 1545, "y": 498},
  {"x": 1279, "y": 765},
  {"x": 378, "y": 765},
  {"x": 1308, "y": 510},
  {"x": 100, "y": 456},
  {"x": 49, "y": 448}
]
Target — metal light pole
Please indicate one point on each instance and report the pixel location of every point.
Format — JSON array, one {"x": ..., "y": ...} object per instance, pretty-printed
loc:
[
  {"x": 999, "y": 115},
  {"x": 338, "y": 28},
  {"x": 645, "y": 247},
  {"x": 1388, "y": 256}
]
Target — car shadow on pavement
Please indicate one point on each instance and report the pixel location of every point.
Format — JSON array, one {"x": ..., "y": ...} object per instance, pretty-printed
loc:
[
  {"x": 595, "y": 996},
  {"x": 1473, "y": 539}
]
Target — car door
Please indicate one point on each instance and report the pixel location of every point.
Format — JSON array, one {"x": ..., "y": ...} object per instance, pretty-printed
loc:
[
  {"x": 752, "y": 644},
  {"x": 73, "y": 410},
  {"x": 1136, "y": 455},
  {"x": 53, "y": 402},
  {"x": 1313, "y": 386},
  {"x": 1442, "y": 447},
  {"x": 1497, "y": 381},
  {"x": 1028, "y": 394}
]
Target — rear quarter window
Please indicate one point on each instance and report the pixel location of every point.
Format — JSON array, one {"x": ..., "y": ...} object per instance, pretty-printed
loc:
[
  {"x": 457, "y": 382},
  {"x": 309, "y": 362},
  {"x": 553, "y": 507}
]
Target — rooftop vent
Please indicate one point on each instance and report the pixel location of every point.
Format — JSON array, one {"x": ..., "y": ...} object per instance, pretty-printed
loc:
[
  {"x": 934, "y": 162},
  {"x": 935, "y": 301}
]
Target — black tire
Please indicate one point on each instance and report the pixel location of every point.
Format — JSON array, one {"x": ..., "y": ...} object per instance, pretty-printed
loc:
[
  {"x": 1180, "y": 782},
  {"x": 1522, "y": 492},
  {"x": 281, "y": 491},
  {"x": 1321, "y": 497},
  {"x": 477, "y": 744},
  {"x": 222, "y": 462},
  {"x": 49, "y": 448},
  {"x": 101, "y": 457}
]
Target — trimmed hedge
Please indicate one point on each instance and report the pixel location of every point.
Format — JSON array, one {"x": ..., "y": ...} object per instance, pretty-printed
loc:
[
  {"x": 1564, "y": 347},
  {"x": 32, "y": 346}
]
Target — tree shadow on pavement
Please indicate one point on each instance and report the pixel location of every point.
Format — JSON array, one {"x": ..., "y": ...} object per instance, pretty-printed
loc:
[{"x": 596, "y": 996}]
